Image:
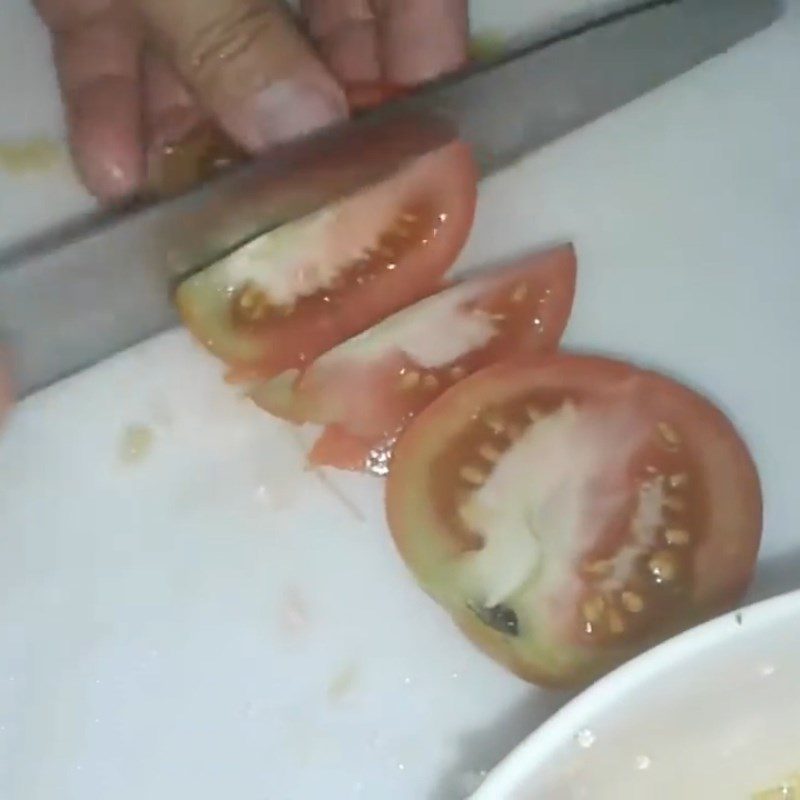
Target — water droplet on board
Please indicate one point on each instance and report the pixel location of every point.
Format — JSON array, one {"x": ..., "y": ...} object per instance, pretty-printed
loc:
[
  {"x": 585, "y": 738},
  {"x": 643, "y": 763},
  {"x": 343, "y": 684},
  {"x": 135, "y": 444}
]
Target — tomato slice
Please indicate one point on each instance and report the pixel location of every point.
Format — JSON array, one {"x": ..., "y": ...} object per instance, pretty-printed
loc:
[
  {"x": 293, "y": 294},
  {"x": 571, "y": 511},
  {"x": 369, "y": 388}
]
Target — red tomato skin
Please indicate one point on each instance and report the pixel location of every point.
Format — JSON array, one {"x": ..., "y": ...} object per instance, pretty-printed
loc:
[{"x": 724, "y": 562}]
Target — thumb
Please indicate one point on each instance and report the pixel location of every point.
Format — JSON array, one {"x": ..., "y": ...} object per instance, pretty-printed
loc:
[{"x": 248, "y": 65}]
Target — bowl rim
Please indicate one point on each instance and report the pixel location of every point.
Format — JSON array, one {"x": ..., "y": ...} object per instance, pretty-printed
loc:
[{"x": 522, "y": 763}]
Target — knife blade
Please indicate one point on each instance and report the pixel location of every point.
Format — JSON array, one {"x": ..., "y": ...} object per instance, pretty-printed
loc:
[{"x": 81, "y": 293}]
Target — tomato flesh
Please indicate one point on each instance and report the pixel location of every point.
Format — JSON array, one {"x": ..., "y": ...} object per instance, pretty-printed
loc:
[
  {"x": 571, "y": 511},
  {"x": 367, "y": 390},
  {"x": 294, "y": 293}
]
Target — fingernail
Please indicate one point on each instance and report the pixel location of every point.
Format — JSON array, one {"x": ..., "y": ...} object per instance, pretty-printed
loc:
[
  {"x": 284, "y": 111},
  {"x": 111, "y": 178}
]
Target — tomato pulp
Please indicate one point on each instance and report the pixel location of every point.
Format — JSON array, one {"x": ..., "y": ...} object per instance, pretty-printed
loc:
[{"x": 571, "y": 511}]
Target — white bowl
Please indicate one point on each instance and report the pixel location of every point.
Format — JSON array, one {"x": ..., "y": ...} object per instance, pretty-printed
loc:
[{"x": 712, "y": 714}]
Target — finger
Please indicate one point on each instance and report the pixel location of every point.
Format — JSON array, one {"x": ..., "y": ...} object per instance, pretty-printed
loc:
[
  {"x": 97, "y": 59},
  {"x": 423, "y": 39},
  {"x": 170, "y": 108},
  {"x": 184, "y": 146},
  {"x": 248, "y": 65},
  {"x": 346, "y": 32}
]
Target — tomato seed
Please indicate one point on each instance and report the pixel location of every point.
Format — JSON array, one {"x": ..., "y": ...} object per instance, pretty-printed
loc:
[
  {"x": 430, "y": 382},
  {"x": 663, "y": 566},
  {"x": 495, "y": 422},
  {"x": 594, "y": 609},
  {"x": 409, "y": 380},
  {"x": 599, "y": 568},
  {"x": 669, "y": 435},
  {"x": 490, "y": 453},
  {"x": 519, "y": 293},
  {"x": 534, "y": 415},
  {"x": 678, "y": 481},
  {"x": 677, "y": 537},
  {"x": 615, "y": 622},
  {"x": 632, "y": 602},
  {"x": 473, "y": 475},
  {"x": 674, "y": 504},
  {"x": 514, "y": 431},
  {"x": 251, "y": 304},
  {"x": 458, "y": 373}
]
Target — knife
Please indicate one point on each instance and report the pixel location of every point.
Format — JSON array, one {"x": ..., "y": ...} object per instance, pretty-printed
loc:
[{"x": 90, "y": 289}]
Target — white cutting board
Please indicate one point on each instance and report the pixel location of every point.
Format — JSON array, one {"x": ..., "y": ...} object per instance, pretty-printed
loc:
[{"x": 213, "y": 621}]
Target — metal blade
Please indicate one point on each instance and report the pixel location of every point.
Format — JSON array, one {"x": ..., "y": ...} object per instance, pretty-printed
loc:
[
  {"x": 573, "y": 80},
  {"x": 87, "y": 291}
]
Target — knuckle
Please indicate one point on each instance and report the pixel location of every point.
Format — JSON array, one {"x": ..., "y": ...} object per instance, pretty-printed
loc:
[{"x": 227, "y": 42}]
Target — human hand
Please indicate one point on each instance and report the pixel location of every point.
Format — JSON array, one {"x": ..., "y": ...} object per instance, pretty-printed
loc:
[{"x": 136, "y": 74}]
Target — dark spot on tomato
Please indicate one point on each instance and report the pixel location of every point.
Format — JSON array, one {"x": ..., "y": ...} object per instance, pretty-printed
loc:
[{"x": 502, "y": 618}]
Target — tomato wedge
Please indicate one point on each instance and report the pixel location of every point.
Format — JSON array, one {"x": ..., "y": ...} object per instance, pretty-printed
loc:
[
  {"x": 291, "y": 295},
  {"x": 369, "y": 388},
  {"x": 571, "y": 511}
]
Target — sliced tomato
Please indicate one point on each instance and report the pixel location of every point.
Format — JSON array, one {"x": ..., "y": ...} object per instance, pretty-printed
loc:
[
  {"x": 571, "y": 511},
  {"x": 293, "y": 294},
  {"x": 369, "y": 388}
]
